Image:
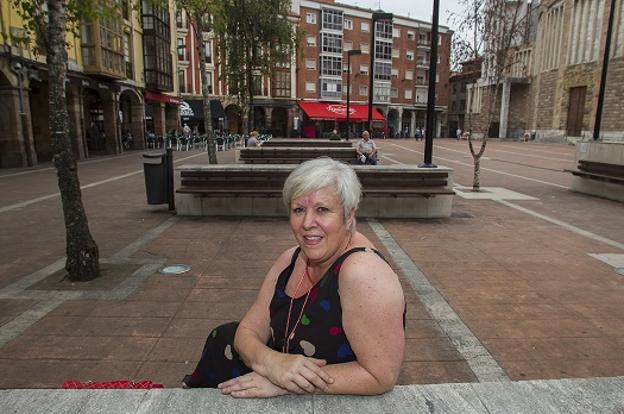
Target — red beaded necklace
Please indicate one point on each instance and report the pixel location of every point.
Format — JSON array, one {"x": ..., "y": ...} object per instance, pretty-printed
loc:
[{"x": 290, "y": 335}]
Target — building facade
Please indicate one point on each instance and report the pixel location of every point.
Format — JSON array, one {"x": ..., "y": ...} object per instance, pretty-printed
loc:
[
  {"x": 120, "y": 80},
  {"x": 401, "y": 62},
  {"x": 551, "y": 89},
  {"x": 458, "y": 81}
]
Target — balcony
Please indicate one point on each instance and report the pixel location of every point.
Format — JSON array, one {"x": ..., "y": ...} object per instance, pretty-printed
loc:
[
  {"x": 423, "y": 44},
  {"x": 422, "y": 64},
  {"x": 101, "y": 46}
]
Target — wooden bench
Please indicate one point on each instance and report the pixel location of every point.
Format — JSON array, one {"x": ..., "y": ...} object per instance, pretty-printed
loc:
[
  {"x": 306, "y": 143},
  {"x": 400, "y": 191},
  {"x": 601, "y": 171},
  {"x": 290, "y": 155},
  {"x": 599, "y": 179}
]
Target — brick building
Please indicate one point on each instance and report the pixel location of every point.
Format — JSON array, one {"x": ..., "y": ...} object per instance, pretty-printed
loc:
[
  {"x": 470, "y": 72},
  {"x": 402, "y": 49}
]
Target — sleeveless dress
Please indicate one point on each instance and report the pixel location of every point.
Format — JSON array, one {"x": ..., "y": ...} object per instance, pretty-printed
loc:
[{"x": 319, "y": 334}]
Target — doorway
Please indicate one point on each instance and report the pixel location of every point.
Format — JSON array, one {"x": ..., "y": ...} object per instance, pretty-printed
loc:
[{"x": 576, "y": 109}]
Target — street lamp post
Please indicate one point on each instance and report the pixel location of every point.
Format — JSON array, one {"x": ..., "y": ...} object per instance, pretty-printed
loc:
[
  {"x": 433, "y": 59},
  {"x": 377, "y": 16},
  {"x": 349, "y": 54}
]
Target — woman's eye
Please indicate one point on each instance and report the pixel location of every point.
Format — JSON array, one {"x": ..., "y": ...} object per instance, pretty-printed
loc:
[
  {"x": 322, "y": 210},
  {"x": 298, "y": 210}
]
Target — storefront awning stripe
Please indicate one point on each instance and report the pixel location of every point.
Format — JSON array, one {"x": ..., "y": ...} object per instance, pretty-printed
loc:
[{"x": 161, "y": 97}]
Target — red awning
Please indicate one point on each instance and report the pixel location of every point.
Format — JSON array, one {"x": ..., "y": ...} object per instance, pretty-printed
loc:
[
  {"x": 161, "y": 97},
  {"x": 332, "y": 111}
]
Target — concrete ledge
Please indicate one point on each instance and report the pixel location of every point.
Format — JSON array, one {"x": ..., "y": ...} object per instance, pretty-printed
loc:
[
  {"x": 597, "y": 395},
  {"x": 389, "y": 191},
  {"x": 598, "y": 188}
]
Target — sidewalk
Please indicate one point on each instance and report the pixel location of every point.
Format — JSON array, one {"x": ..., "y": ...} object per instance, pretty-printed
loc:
[{"x": 494, "y": 294}]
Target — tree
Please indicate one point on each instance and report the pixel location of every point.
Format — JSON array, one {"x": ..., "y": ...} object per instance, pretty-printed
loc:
[
  {"x": 49, "y": 21},
  {"x": 201, "y": 13},
  {"x": 490, "y": 30},
  {"x": 255, "y": 37}
]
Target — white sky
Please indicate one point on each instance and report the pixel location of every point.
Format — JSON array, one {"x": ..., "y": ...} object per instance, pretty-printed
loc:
[{"x": 417, "y": 9}]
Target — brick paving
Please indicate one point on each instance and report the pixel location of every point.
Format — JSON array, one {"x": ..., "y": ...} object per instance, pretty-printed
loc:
[{"x": 527, "y": 289}]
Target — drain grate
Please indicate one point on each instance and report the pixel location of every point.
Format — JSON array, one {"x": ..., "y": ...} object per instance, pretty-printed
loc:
[{"x": 176, "y": 269}]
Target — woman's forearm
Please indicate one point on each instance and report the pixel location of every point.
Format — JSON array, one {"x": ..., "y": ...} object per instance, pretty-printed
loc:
[
  {"x": 252, "y": 349},
  {"x": 353, "y": 378}
]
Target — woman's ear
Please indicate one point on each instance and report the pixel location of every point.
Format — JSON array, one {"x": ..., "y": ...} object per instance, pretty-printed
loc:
[{"x": 350, "y": 218}]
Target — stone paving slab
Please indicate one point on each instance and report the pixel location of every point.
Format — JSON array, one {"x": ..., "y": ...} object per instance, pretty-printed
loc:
[{"x": 596, "y": 395}]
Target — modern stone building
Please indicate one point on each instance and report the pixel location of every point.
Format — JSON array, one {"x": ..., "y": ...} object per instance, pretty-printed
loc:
[{"x": 551, "y": 90}]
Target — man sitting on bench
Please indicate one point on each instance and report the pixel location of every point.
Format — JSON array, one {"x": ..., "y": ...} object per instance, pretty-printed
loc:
[{"x": 366, "y": 150}]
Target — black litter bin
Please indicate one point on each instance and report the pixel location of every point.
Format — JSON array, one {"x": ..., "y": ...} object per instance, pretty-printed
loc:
[{"x": 156, "y": 180}]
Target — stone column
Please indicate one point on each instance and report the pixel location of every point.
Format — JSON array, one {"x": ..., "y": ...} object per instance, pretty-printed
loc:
[
  {"x": 413, "y": 124},
  {"x": 111, "y": 114},
  {"x": 504, "y": 112},
  {"x": 158, "y": 116},
  {"x": 14, "y": 152},
  {"x": 137, "y": 125},
  {"x": 399, "y": 130},
  {"x": 268, "y": 118},
  {"x": 74, "y": 108},
  {"x": 172, "y": 117}
]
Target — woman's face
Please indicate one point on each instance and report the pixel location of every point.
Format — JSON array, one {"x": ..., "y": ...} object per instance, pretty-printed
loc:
[{"x": 319, "y": 226}]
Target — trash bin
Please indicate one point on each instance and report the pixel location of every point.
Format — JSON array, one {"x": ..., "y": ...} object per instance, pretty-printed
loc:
[{"x": 156, "y": 179}]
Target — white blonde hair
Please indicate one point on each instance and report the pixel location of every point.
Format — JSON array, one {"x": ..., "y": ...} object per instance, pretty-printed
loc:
[{"x": 321, "y": 172}]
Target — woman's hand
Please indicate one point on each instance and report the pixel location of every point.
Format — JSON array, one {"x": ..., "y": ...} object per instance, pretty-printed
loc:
[
  {"x": 252, "y": 385},
  {"x": 297, "y": 373}
]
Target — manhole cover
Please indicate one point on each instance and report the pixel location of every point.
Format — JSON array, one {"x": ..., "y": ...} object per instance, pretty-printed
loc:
[
  {"x": 176, "y": 269},
  {"x": 619, "y": 271}
]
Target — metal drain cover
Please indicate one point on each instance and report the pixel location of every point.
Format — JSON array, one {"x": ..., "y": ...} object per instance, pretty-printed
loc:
[
  {"x": 619, "y": 271},
  {"x": 176, "y": 269}
]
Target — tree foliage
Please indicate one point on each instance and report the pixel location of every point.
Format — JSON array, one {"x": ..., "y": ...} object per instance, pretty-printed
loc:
[{"x": 255, "y": 37}]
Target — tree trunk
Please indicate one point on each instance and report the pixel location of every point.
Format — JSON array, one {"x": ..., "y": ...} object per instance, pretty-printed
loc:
[
  {"x": 82, "y": 262},
  {"x": 199, "y": 40},
  {"x": 476, "y": 183}
]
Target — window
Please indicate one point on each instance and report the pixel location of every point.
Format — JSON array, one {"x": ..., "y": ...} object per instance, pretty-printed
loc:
[
  {"x": 363, "y": 91},
  {"x": 383, "y": 50},
  {"x": 182, "y": 81},
  {"x": 332, "y": 19},
  {"x": 311, "y": 41},
  {"x": 365, "y": 48},
  {"x": 394, "y": 73},
  {"x": 181, "y": 48},
  {"x": 473, "y": 103},
  {"x": 408, "y": 94},
  {"x": 394, "y": 93},
  {"x": 209, "y": 76},
  {"x": 410, "y": 35},
  {"x": 348, "y": 24},
  {"x": 396, "y": 53},
  {"x": 396, "y": 32},
  {"x": 331, "y": 65},
  {"x": 125, "y": 9},
  {"x": 208, "y": 50},
  {"x": 345, "y": 67},
  {"x": 311, "y": 64},
  {"x": 550, "y": 37},
  {"x": 281, "y": 84},
  {"x": 409, "y": 55},
  {"x": 423, "y": 39},
  {"x": 331, "y": 43},
  {"x": 618, "y": 32},
  {"x": 364, "y": 69},
  {"x": 331, "y": 88},
  {"x": 409, "y": 74},
  {"x": 310, "y": 87},
  {"x": 257, "y": 84},
  {"x": 437, "y": 78},
  {"x": 383, "y": 30},
  {"x": 311, "y": 18},
  {"x": 383, "y": 71},
  {"x": 365, "y": 27},
  {"x": 381, "y": 93},
  {"x": 420, "y": 80},
  {"x": 128, "y": 55},
  {"x": 348, "y": 45},
  {"x": 181, "y": 22},
  {"x": 586, "y": 30}
]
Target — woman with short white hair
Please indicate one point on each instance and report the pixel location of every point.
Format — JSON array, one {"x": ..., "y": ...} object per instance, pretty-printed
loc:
[{"x": 329, "y": 317}]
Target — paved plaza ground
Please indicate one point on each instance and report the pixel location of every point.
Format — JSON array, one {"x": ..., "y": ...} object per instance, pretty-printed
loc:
[{"x": 519, "y": 284}]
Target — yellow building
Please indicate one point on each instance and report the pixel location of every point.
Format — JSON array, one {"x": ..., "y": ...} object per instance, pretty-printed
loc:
[{"x": 119, "y": 81}]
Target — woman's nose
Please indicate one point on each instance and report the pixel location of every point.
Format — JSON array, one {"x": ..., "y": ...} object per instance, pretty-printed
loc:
[{"x": 309, "y": 219}]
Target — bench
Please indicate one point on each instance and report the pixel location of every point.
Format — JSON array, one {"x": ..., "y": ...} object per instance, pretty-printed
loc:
[
  {"x": 389, "y": 191},
  {"x": 290, "y": 155},
  {"x": 599, "y": 178},
  {"x": 306, "y": 143}
]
